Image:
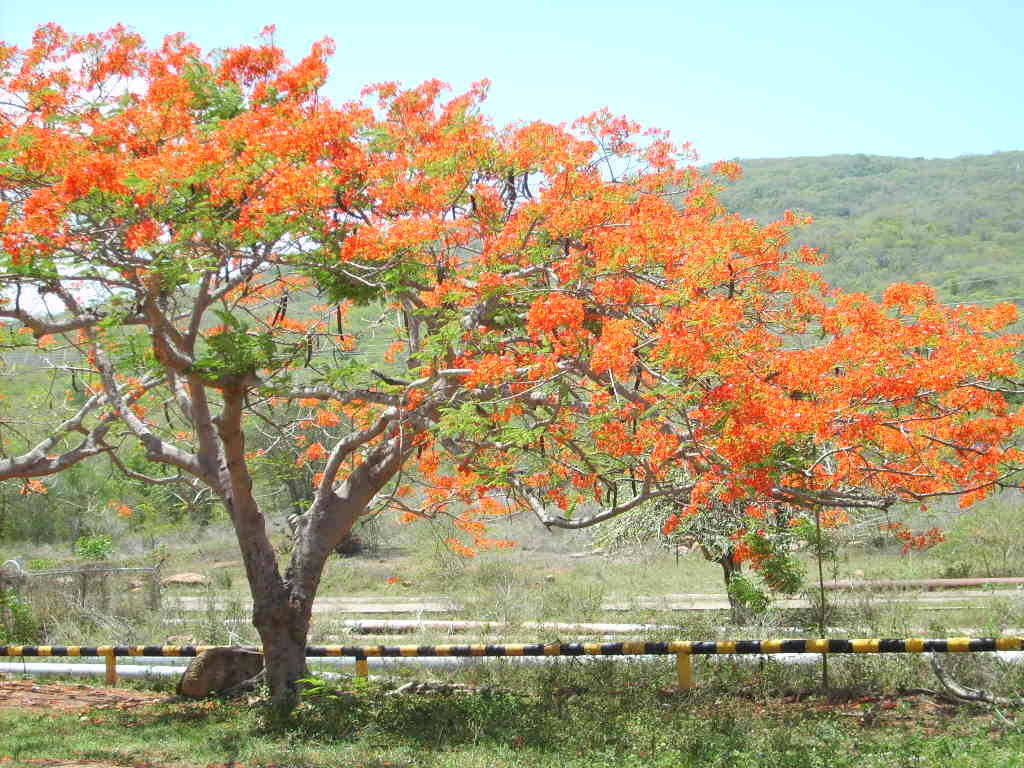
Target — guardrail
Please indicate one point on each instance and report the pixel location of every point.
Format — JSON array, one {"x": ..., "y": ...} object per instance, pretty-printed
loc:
[{"x": 683, "y": 650}]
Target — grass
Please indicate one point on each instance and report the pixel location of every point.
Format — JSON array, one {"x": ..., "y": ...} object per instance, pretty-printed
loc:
[
  {"x": 568, "y": 714},
  {"x": 565, "y": 715}
]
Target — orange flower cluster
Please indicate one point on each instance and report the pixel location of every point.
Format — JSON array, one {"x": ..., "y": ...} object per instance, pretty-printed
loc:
[
  {"x": 32, "y": 486},
  {"x": 120, "y": 508},
  {"x": 914, "y": 541},
  {"x": 459, "y": 548}
]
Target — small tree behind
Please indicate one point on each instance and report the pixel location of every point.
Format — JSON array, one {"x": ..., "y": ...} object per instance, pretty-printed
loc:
[{"x": 732, "y": 539}]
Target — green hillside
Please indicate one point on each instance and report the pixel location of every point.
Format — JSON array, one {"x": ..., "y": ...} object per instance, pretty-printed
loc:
[{"x": 956, "y": 224}]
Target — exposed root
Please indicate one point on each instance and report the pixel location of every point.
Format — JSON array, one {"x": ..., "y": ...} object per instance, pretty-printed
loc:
[{"x": 938, "y": 695}]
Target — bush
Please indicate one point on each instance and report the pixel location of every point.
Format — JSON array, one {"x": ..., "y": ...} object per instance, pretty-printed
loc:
[
  {"x": 18, "y": 624},
  {"x": 96, "y": 547},
  {"x": 987, "y": 541}
]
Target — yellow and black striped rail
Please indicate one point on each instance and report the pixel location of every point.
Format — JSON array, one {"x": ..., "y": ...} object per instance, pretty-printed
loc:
[{"x": 684, "y": 650}]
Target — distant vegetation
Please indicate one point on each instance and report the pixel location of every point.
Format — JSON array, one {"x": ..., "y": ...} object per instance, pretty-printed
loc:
[{"x": 955, "y": 224}]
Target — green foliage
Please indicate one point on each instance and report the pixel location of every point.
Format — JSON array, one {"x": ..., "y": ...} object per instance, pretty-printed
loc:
[
  {"x": 18, "y": 624},
  {"x": 744, "y": 591},
  {"x": 721, "y": 532},
  {"x": 567, "y": 716},
  {"x": 339, "y": 287},
  {"x": 235, "y": 350},
  {"x": 41, "y": 564},
  {"x": 74, "y": 504},
  {"x": 986, "y": 541},
  {"x": 213, "y": 101},
  {"x": 97, "y": 547},
  {"x": 776, "y": 564},
  {"x": 614, "y": 714}
]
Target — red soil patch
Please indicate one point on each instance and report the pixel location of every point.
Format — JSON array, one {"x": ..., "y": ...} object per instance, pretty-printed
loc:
[{"x": 64, "y": 697}]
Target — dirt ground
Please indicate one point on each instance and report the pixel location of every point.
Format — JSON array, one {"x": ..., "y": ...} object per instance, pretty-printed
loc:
[{"x": 70, "y": 697}]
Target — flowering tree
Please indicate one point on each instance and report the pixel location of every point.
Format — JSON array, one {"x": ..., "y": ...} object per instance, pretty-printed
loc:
[{"x": 582, "y": 328}]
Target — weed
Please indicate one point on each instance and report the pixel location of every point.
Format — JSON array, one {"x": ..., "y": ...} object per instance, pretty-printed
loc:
[
  {"x": 41, "y": 564},
  {"x": 223, "y": 578},
  {"x": 569, "y": 714}
]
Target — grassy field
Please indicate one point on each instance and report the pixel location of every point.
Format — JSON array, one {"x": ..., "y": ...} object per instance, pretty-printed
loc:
[
  {"x": 566, "y": 714},
  {"x": 569, "y": 714},
  {"x": 547, "y": 577}
]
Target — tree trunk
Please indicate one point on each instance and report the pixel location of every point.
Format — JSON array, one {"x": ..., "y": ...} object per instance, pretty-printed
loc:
[
  {"x": 283, "y": 625},
  {"x": 283, "y": 605},
  {"x": 738, "y": 611},
  {"x": 282, "y": 608}
]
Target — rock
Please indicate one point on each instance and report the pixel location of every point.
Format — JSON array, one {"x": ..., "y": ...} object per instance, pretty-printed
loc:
[
  {"x": 218, "y": 669},
  {"x": 185, "y": 578}
]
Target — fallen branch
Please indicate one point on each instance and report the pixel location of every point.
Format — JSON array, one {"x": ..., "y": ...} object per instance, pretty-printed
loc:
[
  {"x": 427, "y": 687},
  {"x": 963, "y": 693}
]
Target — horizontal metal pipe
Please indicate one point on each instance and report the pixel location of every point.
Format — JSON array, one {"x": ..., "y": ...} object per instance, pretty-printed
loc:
[
  {"x": 83, "y": 668},
  {"x": 396, "y": 626},
  {"x": 43, "y": 668},
  {"x": 634, "y": 648}
]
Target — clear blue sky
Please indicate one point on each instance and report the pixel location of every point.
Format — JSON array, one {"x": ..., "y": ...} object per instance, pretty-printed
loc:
[{"x": 738, "y": 79}]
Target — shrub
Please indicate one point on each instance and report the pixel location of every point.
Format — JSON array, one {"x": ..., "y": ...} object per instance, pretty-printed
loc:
[{"x": 96, "y": 547}]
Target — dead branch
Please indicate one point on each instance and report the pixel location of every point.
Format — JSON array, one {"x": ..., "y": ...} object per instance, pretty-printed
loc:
[{"x": 963, "y": 693}]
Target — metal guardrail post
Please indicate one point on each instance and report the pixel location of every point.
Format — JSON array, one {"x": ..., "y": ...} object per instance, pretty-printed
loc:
[
  {"x": 684, "y": 670},
  {"x": 362, "y": 667},
  {"x": 111, "y": 664}
]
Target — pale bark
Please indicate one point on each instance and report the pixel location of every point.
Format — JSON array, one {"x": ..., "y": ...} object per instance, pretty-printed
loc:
[{"x": 282, "y": 604}]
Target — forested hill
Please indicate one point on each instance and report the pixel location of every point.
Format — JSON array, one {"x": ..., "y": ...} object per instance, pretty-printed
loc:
[{"x": 956, "y": 224}]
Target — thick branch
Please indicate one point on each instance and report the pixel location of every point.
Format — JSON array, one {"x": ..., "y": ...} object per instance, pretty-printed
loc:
[
  {"x": 553, "y": 521},
  {"x": 344, "y": 449},
  {"x": 40, "y": 327},
  {"x": 39, "y": 461},
  {"x": 324, "y": 392},
  {"x": 156, "y": 449},
  {"x": 802, "y": 498}
]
